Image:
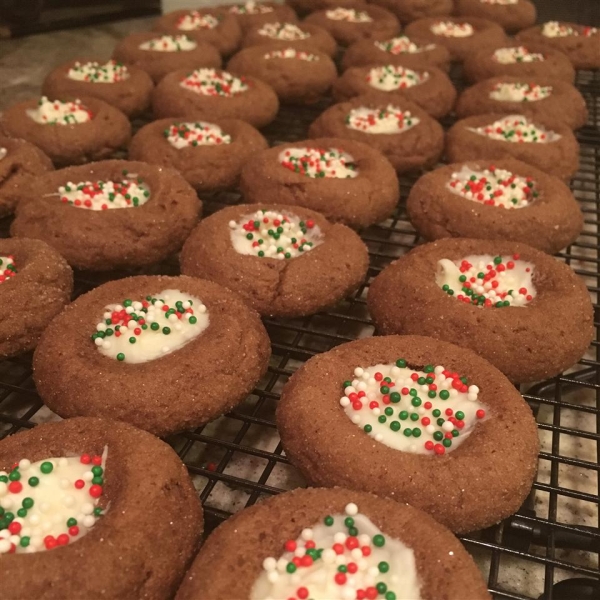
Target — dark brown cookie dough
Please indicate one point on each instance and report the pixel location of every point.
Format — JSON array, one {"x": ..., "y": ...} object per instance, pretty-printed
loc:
[
  {"x": 512, "y": 17},
  {"x": 241, "y": 544},
  {"x": 545, "y": 213},
  {"x": 189, "y": 54},
  {"x": 207, "y": 167},
  {"x": 358, "y": 201},
  {"x": 304, "y": 7},
  {"x": 33, "y": 296},
  {"x": 550, "y": 99},
  {"x": 417, "y": 147},
  {"x": 580, "y": 43},
  {"x": 315, "y": 279},
  {"x": 127, "y": 88},
  {"x": 548, "y": 63},
  {"x": 430, "y": 88},
  {"x": 527, "y": 343},
  {"x": 297, "y": 77},
  {"x": 116, "y": 238},
  {"x": 559, "y": 157},
  {"x": 485, "y": 479},
  {"x": 484, "y": 33},
  {"x": 211, "y": 25},
  {"x": 146, "y": 493},
  {"x": 411, "y": 10},
  {"x": 198, "y": 382},
  {"x": 353, "y": 23},
  {"x": 106, "y": 130},
  {"x": 252, "y": 13},
  {"x": 19, "y": 161},
  {"x": 256, "y": 102}
]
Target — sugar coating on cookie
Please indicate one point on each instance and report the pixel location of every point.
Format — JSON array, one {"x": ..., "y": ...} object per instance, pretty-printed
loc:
[
  {"x": 169, "y": 43},
  {"x": 350, "y": 15},
  {"x": 209, "y": 82},
  {"x": 200, "y": 133},
  {"x": 3, "y": 152},
  {"x": 195, "y": 20},
  {"x": 554, "y": 29},
  {"x": 518, "y": 54},
  {"x": 520, "y": 92},
  {"x": 291, "y": 53},
  {"x": 95, "y": 72},
  {"x": 517, "y": 129},
  {"x": 8, "y": 269},
  {"x": 140, "y": 331},
  {"x": 452, "y": 29},
  {"x": 493, "y": 187},
  {"x": 49, "y": 503},
  {"x": 283, "y": 31},
  {"x": 56, "y": 112},
  {"x": 392, "y": 77},
  {"x": 250, "y": 8},
  {"x": 429, "y": 411},
  {"x": 270, "y": 234},
  {"x": 402, "y": 45},
  {"x": 385, "y": 121},
  {"x": 129, "y": 192},
  {"x": 345, "y": 556},
  {"x": 319, "y": 162},
  {"x": 488, "y": 281}
]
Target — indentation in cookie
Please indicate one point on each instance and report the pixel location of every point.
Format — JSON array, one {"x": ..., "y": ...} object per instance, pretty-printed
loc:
[
  {"x": 195, "y": 20},
  {"x": 270, "y": 234},
  {"x": 95, "y": 72},
  {"x": 452, "y": 29},
  {"x": 169, "y": 43},
  {"x": 8, "y": 269},
  {"x": 385, "y": 121},
  {"x": 140, "y": 331},
  {"x": 56, "y": 112},
  {"x": 283, "y": 31},
  {"x": 49, "y": 503},
  {"x": 350, "y": 15},
  {"x": 520, "y": 92},
  {"x": 488, "y": 281},
  {"x": 402, "y": 45},
  {"x": 518, "y": 54},
  {"x": 200, "y": 133},
  {"x": 392, "y": 77},
  {"x": 291, "y": 53},
  {"x": 517, "y": 129},
  {"x": 319, "y": 162},
  {"x": 250, "y": 8},
  {"x": 493, "y": 187},
  {"x": 210, "y": 82},
  {"x": 345, "y": 556}
]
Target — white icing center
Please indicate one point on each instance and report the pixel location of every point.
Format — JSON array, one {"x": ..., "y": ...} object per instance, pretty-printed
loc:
[
  {"x": 105, "y": 195},
  {"x": 319, "y": 162},
  {"x": 51, "y": 504},
  {"x": 251, "y": 8},
  {"x": 452, "y": 29},
  {"x": 8, "y": 268},
  {"x": 55, "y": 112},
  {"x": 516, "y": 129},
  {"x": 138, "y": 332},
  {"x": 291, "y": 53},
  {"x": 268, "y": 234},
  {"x": 169, "y": 43},
  {"x": 3, "y": 152},
  {"x": 519, "y": 54},
  {"x": 520, "y": 92},
  {"x": 201, "y": 133},
  {"x": 390, "y": 77},
  {"x": 488, "y": 281},
  {"x": 352, "y": 540},
  {"x": 402, "y": 45},
  {"x": 385, "y": 121},
  {"x": 195, "y": 20},
  {"x": 553, "y": 29},
  {"x": 94, "y": 72},
  {"x": 283, "y": 31},
  {"x": 350, "y": 15},
  {"x": 210, "y": 82}
]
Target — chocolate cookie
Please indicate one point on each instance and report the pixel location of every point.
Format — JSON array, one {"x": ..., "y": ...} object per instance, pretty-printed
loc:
[
  {"x": 349, "y": 25},
  {"x": 211, "y": 25},
  {"x": 97, "y": 494},
  {"x": 427, "y": 407},
  {"x": 501, "y": 200},
  {"x": 518, "y": 60},
  {"x": 547, "y": 145},
  {"x": 251, "y": 13},
  {"x": 70, "y": 209},
  {"x": 161, "y": 54},
  {"x": 580, "y": 43},
  {"x": 429, "y": 88},
  {"x": 280, "y": 36},
  {"x": 550, "y": 99},
  {"x": 116, "y": 342},
  {"x": 214, "y": 94},
  {"x": 411, "y": 10},
  {"x": 295, "y": 76},
  {"x": 284, "y": 261},
  {"x": 19, "y": 161},
  {"x": 69, "y": 131},
  {"x": 35, "y": 284},
  {"x": 346, "y": 181},
  {"x": 521, "y": 309},
  {"x": 399, "y": 51},
  {"x": 512, "y": 15},
  {"x": 270, "y": 546},
  {"x": 125, "y": 87},
  {"x": 304, "y": 7},
  {"x": 399, "y": 129},
  {"x": 210, "y": 156},
  {"x": 461, "y": 35}
]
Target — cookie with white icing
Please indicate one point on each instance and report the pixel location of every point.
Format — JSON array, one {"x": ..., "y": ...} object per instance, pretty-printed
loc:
[
  {"x": 546, "y": 144},
  {"x": 83, "y": 495},
  {"x": 331, "y": 543},
  {"x": 411, "y": 10},
  {"x": 282, "y": 260},
  {"x": 503, "y": 199},
  {"x": 200, "y": 341},
  {"x": 304, "y": 7},
  {"x": 125, "y": 87},
  {"x": 253, "y": 12},
  {"x": 346, "y": 181},
  {"x": 402, "y": 131},
  {"x": 107, "y": 215},
  {"x": 214, "y": 94},
  {"x": 70, "y": 131},
  {"x": 512, "y": 15},
  {"x": 521, "y": 309}
]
